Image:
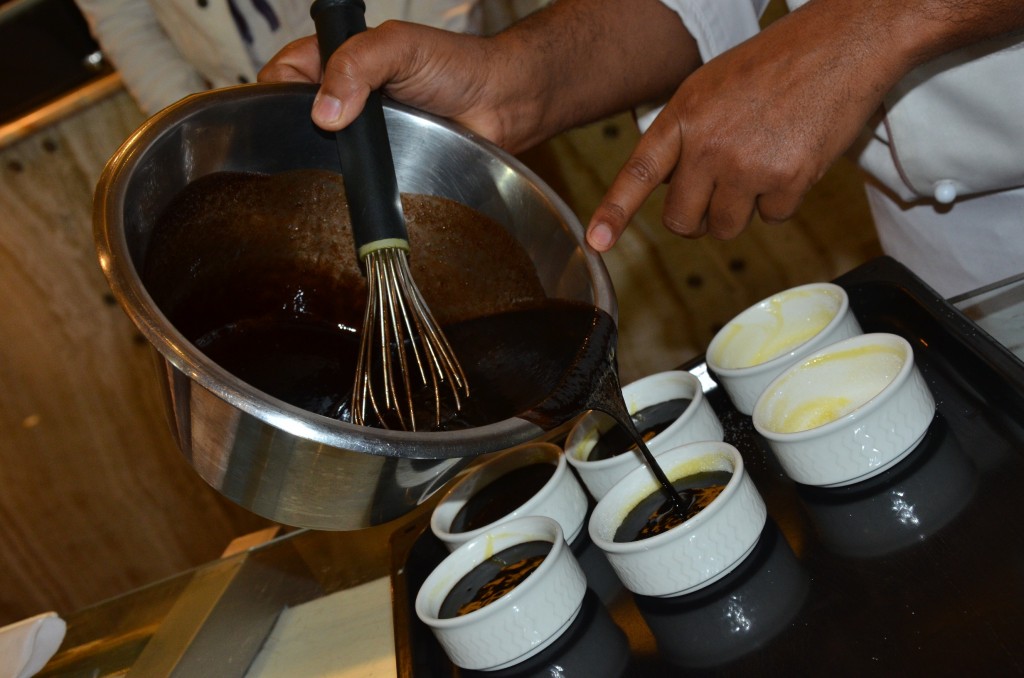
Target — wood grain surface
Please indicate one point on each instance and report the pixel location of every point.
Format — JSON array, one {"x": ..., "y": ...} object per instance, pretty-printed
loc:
[{"x": 95, "y": 500}]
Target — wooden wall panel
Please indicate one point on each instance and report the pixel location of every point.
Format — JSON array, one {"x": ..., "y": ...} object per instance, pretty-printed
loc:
[{"x": 95, "y": 500}]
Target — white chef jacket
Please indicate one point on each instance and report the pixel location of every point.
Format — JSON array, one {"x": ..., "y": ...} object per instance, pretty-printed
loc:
[
  {"x": 168, "y": 49},
  {"x": 946, "y": 158}
]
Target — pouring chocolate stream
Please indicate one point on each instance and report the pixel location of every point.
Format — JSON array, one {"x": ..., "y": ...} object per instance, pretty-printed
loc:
[{"x": 591, "y": 383}]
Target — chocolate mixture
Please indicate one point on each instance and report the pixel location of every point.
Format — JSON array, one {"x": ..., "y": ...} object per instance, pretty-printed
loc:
[
  {"x": 654, "y": 514},
  {"x": 236, "y": 245},
  {"x": 502, "y": 496},
  {"x": 259, "y": 272},
  {"x": 493, "y": 578}
]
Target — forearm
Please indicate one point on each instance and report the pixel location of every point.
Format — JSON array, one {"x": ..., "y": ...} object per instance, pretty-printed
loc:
[
  {"x": 577, "y": 61},
  {"x": 944, "y": 25},
  {"x": 757, "y": 126},
  {"x": 895, "y": 36}
]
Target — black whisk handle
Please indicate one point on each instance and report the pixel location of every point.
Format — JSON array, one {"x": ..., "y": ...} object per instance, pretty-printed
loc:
[
  {"x": 336, "y": 21},
  {"x": 367, "y": 165}
]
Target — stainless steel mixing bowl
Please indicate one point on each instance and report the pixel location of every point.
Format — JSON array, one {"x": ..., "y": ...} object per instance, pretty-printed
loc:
[{"x": 279, "y": 461}]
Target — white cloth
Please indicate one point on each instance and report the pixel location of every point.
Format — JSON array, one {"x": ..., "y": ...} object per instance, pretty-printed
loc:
[
  {"x": 27, "y": 645},
  {"x": 168, "y": 49},
  {"x": 953, "y": 125},
  {"x": 957, "y": 248},
  {"x": 719, "y": 25}
]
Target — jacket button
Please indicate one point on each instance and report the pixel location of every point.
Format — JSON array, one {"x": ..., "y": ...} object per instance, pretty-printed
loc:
[{"x": 945, "y": 191}]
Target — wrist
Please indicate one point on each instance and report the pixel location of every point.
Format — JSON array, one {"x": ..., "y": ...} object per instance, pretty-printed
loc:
[
  {"x": 896, "y": 36},
  {"x": 532, "y": 86},
  {"x": 578, "y": 61}
]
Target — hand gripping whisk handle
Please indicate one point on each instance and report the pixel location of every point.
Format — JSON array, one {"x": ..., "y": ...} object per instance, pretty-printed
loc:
[{"x": 365, "y": 151}]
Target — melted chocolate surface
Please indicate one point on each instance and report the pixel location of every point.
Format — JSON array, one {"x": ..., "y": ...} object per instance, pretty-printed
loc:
[
  {"x": 501, "y": 497},
  {"x": 493, "y": 578},
  {"x": 654, "y": 515},
  {"x": 259, "y": 271}
]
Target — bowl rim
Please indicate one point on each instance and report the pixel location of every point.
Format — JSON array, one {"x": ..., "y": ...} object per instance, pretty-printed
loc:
[
  {"x": 551, "y": 529},
  {"x": 125, "y": 283},
  {"x": 772, "y": 363},
  {"x": 863, "y": 410},
  {"x": 688, "y": 451}
]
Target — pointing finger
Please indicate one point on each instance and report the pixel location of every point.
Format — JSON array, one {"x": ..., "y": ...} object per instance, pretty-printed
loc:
[{"x": 647, "y": 167}]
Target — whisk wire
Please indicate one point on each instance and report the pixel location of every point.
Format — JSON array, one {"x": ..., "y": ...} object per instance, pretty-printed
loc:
[
  {"x": 434, "y": 343},
  {"x": 381, "y": 333},
  {"x": 362, "y": 391},
  {"x": 442, "y": 355},
  {"x": 402, "y": 334},
  {"x": 413, "y": 350}
]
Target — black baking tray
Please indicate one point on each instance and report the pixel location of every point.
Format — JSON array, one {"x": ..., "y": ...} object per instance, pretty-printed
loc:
[{"x": 917, "y": 571}]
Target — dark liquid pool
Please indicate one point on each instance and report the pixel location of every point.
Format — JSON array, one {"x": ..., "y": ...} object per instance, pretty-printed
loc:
[
  {"x": 546, "y": 364},
  {"x": 493, "y": 578},
  {"x": 649, "y": 422},
  {"x": 252, "y": 269},
  {"x": 502, "y": 497},
  {"x": 512, "y": 361},
  {"x": 655, "y": 515}
]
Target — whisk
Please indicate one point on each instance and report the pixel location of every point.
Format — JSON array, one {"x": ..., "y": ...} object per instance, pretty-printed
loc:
[{"x": 405, "y": 361}]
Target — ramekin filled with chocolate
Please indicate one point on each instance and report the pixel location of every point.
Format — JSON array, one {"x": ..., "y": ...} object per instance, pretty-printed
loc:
[
  {"x": 503, "y": 596},
  {"x": 529, "y": 480},
  {"x": 667, "y": 408},
  {"x": 659, "y": 548}
]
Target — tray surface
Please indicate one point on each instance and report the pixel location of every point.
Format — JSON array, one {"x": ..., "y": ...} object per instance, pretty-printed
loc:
[{"x": 919, "y": 569}]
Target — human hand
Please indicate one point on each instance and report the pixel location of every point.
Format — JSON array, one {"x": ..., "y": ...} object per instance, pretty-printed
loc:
[
  {"x": 533, "y": 80},
  {"x": 752, "y": 129},
  {"x": 441, "y": 72}
]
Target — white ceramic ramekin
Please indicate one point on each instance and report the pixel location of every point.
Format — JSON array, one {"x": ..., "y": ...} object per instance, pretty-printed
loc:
[
  {"x": 847, "y": 412},
  {"x": 696, "y": 553},
  {"x": 521, "y": 623},
  {"x": 758, "y": 344},
  {"x": 561, "y": 498}
]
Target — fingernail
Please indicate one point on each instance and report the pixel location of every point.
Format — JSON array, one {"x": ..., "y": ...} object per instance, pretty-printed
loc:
[
  {"x": 326, "y": 109},
  {"x": 600, "y": 236}
]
